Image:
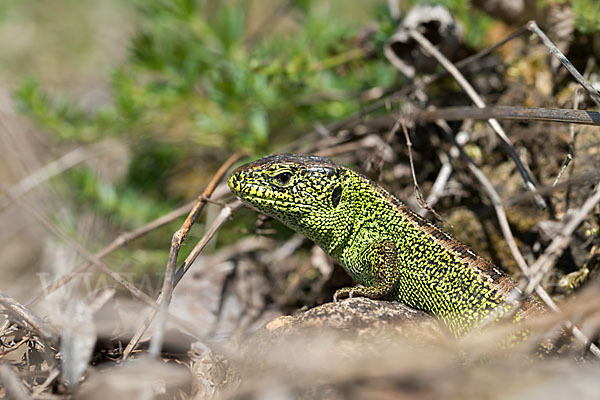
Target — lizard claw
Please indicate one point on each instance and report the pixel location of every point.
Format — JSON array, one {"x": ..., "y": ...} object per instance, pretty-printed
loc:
[
  {"x": 348, "y": 292},
  {"x": 340, "y": 294}
]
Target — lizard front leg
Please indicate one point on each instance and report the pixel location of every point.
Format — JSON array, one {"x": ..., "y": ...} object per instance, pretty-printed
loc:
[{"x": 382, "y": 257}]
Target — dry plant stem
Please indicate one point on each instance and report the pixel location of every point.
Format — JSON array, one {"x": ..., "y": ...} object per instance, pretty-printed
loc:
[
  {"x": 227, "y": 211},
  {"x": 585, "y": 178},
  {"x": 571, "y": 150},
  {"x": 390, "y": 94},
  {"x": 96, "y": 262},
  {"x": 120, "y": 241},
  {"x": 445, "y": 171},
  {"x": 581, "y": 117},
  {"x": 15, "y": 346},
  {"x": 38, "y": 390},
  {"x": 127, "y": 237},
  {"x": 510, "y": 240},
  {"x": 466, "y": 86},
  {"x": 387, "y": 145},
  {"x": 23, "y": 315},
  {"x": 547, "y": 260},
  {"x": 438, "y": 185},
  {"x": 493, "y": 196},
  {"x": 88, "y": 256},
  {"x": 178, "y": 239},
  {"x": 480, "y": 54},
  {"x": 12, "y": 384},
  {"x": 532, "y": 26},
  {"x": 43, "y": 174},
  {"x": 418, "y": 192},
  {"x": 417, "y": 84},
  {"x": 223, "y": 216},
  {"x": 349, "y": 147}
]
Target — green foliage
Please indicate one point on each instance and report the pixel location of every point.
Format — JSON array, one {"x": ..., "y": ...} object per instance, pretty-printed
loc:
[
  {"x": 57, "y": 115},
  {"x": 201, "y": 80},
  {"x": 127, "y": 207},
  {"x": 587, "y": 15},
  {"x": 198, "y": 72}
]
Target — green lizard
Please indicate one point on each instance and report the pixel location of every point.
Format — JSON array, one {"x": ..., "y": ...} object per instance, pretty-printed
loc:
[{"x": 387, "y": 248}]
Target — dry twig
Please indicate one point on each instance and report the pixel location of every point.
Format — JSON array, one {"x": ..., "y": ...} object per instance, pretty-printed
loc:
[
  {"x": 178, "y": 238},
  {"x": 466, "y": 86},
  {"x": 532, "y": 26},
  {"x": 12, "y": 384},
  {"x": 23, "y": 315},
  {"x": 510, "y": 240},
  {"x": 581, "y": 117},
  {"x": 48, "y": 171},
  {"x": 223, "y": 216},
  {"x": 418, "y": 192}
]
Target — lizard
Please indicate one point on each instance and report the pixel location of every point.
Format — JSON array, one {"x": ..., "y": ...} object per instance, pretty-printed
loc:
[{"x": 387, "y": 248}]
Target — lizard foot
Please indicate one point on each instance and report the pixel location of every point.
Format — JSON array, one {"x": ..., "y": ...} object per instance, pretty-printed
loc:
[{"x": 347, "y": 292}]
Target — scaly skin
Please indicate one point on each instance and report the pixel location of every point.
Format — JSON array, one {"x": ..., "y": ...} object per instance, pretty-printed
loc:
[{"x": 387, "y": 248}]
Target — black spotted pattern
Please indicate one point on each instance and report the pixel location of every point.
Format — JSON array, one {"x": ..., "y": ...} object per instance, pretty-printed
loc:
[{"x": 381, "y": 243}]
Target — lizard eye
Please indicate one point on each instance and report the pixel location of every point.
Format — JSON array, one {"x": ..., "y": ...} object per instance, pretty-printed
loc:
[{"x": 283, "y": 178}]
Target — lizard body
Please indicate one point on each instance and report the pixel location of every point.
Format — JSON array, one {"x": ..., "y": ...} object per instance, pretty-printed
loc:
[{"x": 387, "y": 248}]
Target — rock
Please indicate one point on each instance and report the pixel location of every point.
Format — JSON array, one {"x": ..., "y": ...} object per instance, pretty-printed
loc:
[{"x": 350, "y": 328}]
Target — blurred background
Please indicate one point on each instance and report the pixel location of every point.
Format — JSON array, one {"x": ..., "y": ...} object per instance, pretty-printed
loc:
[
  {"x": 114, "y": 113},
  {"x": 146, "y": 98},
  {"x": 156, "y": 94}
]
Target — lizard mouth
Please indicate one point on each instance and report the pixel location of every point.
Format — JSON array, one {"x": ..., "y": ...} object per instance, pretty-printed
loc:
[
  {"x": 258, "y": 201},
  {"x": 255, "y": 195}
]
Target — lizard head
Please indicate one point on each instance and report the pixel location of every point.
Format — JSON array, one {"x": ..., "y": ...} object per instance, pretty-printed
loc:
[{"x": 304, "y": 192}]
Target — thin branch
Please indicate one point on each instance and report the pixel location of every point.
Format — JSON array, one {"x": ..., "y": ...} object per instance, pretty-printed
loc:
[
  {"x": 581, "y": 117},
  {"x": 585, "y": 178},
  {"x": 48, "y": 171},
  {"x": 178, "y": 239},
  {"x": 547, "y": 260},
  {"x": 120, "y": 241},
  {"x": 571, "y": 151},
  {"x": 445, "y": 171},
  {"x": 23, "y": 315},
  {"x": 466, "y": 86},
  {"x": 480, "y": 54},
  {"x": 223, "y": 216},
  {"x": 388, "y": 95},
  {"x": 532, "y": 26},
  {"x": 93, "y": 260},
  {"x": 127, "y": 237},
  {"x": 492, "y": 195},
  {"x": 96, "y": 262},
  {"x": 417, "y": 189},
  {"x": 370, "y": 141},
  {"x": 510, "y": 240},
  {"x": 12, "y": 384},
  {"x": 573, "y": 134}
]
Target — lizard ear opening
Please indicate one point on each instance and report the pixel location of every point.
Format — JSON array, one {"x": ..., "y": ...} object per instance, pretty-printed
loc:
[{"x": 336, "y": 196}]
